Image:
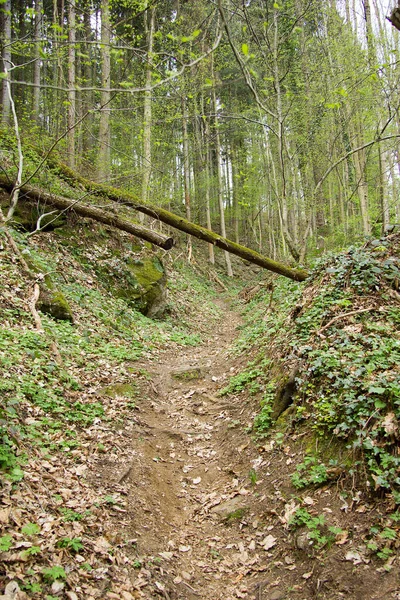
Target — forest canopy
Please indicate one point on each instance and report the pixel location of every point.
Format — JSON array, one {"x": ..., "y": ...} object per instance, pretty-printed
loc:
[{"x": 273, "y": 124}]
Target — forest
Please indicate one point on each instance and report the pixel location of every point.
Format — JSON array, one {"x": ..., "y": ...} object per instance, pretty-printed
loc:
[
  {"x": 276, "y": 126},
  {"x": 199, "y": 299}
]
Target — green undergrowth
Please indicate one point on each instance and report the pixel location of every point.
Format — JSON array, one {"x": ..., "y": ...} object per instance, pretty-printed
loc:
[
  {"x": 341, "y": 332},
  {"x": 49, "y": 396}
]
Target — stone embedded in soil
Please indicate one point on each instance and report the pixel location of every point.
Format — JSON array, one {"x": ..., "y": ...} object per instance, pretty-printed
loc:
[
  {"x": 189, "y": 373},
  {"x": 230, "y": 510}
]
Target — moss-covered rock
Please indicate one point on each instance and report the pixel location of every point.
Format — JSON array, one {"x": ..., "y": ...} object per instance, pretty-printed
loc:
[
  {"x": 150, "y": 275},
  {"x": 139, "y": 281},
  {"x": 124, "y": 390},
  {"x": 52, "y": 302}
]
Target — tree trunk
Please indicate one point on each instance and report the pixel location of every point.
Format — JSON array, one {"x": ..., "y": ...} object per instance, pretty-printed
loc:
[
  {"x": 6, "y": 56},
  {"x": 103, "y": 166},
  {"x": 87, "y": 97},
  {"x": 149, "y": 17},
  {"x": 219, "y": 183},
  {"x": 91, "y": 212},
  {"x": 382, "y": 188},
  {"x": 186, "y": 168},
  {"x": 37, "y": 65},
  {"x": 71, "y": 83},
  {"x": 177, "y": 222},
  {"x": 207, "y": 158}
]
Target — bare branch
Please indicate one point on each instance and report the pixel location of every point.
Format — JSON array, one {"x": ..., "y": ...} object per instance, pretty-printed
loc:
[
  {"x": 345, "y": 156},
  {"x": 15, "y": 192},
  {"x": 242, "y": 65}
]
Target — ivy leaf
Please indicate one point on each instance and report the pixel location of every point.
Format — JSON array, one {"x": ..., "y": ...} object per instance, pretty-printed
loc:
[
  {"x": 379, "y": 404},
  {"x": 245, "y": 49},
  {"x": 374, "y": 389}
]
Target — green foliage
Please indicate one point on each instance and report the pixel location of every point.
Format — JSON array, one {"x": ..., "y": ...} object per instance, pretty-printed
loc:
[
  {"x": 6, "y": 543},
  {"x": 348, "y": 386},
  {"x": 54, "y": 573},
  {"x": 30, "y": 529},
  {"x": 384, "y": 536},
  {"x": 73, "y": 544},
  {"x": 70, "y": 515},
  {"x": 309, "y": 472},
  {"x": 32, "y": 551},
  {"x": 263, "y": 420},
  {"x": 9, "y": 462},
  {"x": 253, "y": 476},
  {"x": 318, "y": 532}
]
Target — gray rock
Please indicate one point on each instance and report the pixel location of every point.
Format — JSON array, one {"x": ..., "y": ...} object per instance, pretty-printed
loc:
[{"x": 231, "y": 510}]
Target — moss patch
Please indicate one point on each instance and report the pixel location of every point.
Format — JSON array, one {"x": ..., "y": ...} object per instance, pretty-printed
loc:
[
  {"x": 54, "y": 304},
  {"x": 124, "y": 390}
]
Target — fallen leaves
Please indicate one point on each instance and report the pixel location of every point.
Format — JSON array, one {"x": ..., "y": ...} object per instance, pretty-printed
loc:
[{"x": 268, "y": 542}]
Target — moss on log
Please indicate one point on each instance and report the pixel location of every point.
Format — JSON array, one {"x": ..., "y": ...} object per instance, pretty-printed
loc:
[
  {"x": 177, "y": 222},
  {"x": 92, "y": 212}
]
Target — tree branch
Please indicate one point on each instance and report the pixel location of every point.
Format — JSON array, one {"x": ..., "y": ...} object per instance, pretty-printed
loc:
[
  {"x": 345, "y": 156},
  {"x": 15, "y": 191},
  {"x": 177, "y": 222},
  {"x": 94, "y": 213}
]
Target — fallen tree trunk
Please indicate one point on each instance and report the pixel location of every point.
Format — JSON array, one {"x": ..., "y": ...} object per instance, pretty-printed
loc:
[
  {"x": 177, "y": 222},
  {"x": 92, "y": 212}
]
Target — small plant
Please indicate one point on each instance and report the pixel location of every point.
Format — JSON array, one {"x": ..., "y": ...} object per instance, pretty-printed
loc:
[
  {"x": 54, "y": 573},
  {"x": 30, "y": 529},
  {"x": 111, "y": 500},
  {"x": 70, "y": 515},
  {"x": 215, "y": 554},
  {"x": 31, "y": 587},
  {"x": 318, "y": 533},
  {"x": 6, "y": 542},
  {"x": 382, "y": 539},
  {"x": 32, "y": 551},
  {"x": 253, "y": 476},
  {"x": 309, "y": 472},
  {"x": 73, "y": 544}
]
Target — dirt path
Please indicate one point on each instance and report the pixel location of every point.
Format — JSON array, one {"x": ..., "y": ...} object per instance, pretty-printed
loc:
[
  {"x": 184, "y": 500},
  {"x": 185, "y": 470},
  {"x": 205, "y": 514}
]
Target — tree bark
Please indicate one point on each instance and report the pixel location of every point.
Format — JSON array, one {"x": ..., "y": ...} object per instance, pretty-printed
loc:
[
  {"x": 207, "y": 153},
  {"x": 186, "y": 168},
  {"x": 37, "y": 65},
  {"x": 71, "y": 83},
  {"x": 149, "y": 17},
  {"x": 395, "y": 17},
  {"x": 104, "y": 130},
  {"x": 91, "y": 212},
  {"x": 178, "y": 222},
  {"x": 219, "y": 176},
  {"x": 6, "y": 56}
]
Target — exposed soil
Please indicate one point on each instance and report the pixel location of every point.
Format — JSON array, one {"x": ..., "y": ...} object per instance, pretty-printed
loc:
[{"x": 206, "y": 510}]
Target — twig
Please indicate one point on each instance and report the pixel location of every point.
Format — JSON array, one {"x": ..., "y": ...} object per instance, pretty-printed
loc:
[
  {"x": 32, "y": 307},
  {"x": 18, "y": 181},
  {"x": 344, "y": 316},
  {"x": 14, "y": 246},
  {"x": 218, "y": 280},
  {"x": 39, "y": 221},
  {"x": 190, "y": 588}
]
